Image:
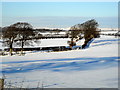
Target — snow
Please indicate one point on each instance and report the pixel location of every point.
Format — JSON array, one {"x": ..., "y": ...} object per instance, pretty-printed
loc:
[
  {"x": 48, "y": 33},
  {"x": 68, "y": 28},
  {"x": 44, "y": 43},
  {"x": 108, "y": 29},
  {"x": 109, "y": 32},
  {"x": 93, "y": 67},
  {"x": 1, "y": 47},
  {"x": 47, "y": 43},
  {"x": 80, "y": 42},
  {"x": 54, "y": 42}
]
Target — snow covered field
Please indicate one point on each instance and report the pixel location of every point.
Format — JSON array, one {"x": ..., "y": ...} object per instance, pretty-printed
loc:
[
  {"x": 94, "y": 67},
  {"x": 109, "y": 32}
]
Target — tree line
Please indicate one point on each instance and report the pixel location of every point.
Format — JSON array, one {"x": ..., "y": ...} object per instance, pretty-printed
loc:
[{"x": 22, "y": 33}]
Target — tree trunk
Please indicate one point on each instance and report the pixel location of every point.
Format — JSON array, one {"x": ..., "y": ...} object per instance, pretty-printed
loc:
[
  {"x": 11, "y": 49},
  {"x": 86, "y": 42},
  {"x": 22, "y": 48},
  {"x": 71, "y": 43},
  {"x": 1, "y": 84}
]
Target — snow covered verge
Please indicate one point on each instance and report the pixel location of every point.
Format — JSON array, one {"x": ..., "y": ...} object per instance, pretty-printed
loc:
[{"x": 94, "y": 67}]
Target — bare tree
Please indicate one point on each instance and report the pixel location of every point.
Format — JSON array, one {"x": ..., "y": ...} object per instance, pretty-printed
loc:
[
  {"x": 88, "y": 29},
  {"x": 25, "y": 33},
  {"x": 9, "y": 35},
  {"x": 74, "y": 33}
]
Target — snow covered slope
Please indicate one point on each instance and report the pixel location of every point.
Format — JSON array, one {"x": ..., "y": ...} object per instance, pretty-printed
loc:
[{"x": 94, "y": 67}]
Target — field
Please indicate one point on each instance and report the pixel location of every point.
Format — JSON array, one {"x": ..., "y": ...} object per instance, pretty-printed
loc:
[{"x": 93, "y": 67}]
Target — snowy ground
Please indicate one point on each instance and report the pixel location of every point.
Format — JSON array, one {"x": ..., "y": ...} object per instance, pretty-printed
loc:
[
  {"x": 44, "y": 43},
  {"x": 109, "y": 32},
  {"x": 94, "y": 67}
]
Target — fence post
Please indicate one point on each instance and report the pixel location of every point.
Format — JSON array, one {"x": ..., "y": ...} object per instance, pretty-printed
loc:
[{"x": 1, "y": 84}]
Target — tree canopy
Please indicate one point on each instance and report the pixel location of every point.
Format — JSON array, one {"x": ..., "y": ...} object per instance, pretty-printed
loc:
[
  {"x": 88, "y": 29},
  {"x": 19, "y": 32}
]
